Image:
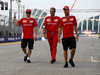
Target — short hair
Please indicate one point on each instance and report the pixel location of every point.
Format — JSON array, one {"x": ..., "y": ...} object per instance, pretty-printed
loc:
[{"x": 52, "y": 8}]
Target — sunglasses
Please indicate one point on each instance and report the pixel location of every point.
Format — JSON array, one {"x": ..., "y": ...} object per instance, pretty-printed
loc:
[{"x": 28, "y": 12}]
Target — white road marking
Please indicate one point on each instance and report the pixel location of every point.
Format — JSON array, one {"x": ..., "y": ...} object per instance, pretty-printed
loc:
[
  {"x": 88, "y": 37},
  {"x": 93, "y": 60},
  {"x": 95, "y": 48},
  {"x": 90, "y": 47},
  {"x": 92, "y": 73}
]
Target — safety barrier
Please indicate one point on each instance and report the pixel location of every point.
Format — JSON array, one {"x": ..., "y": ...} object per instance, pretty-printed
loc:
[
  {"x": 6, "y": 39},
  {"x": 15, "y": 39},
  {"x": 18, "y": 38}
]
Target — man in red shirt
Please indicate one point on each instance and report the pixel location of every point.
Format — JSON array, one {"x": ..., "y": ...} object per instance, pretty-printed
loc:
[
  {"x": 27, "y": 24},
  {"x": 51, "y": 24},
  {"x": 68, "y": 23}
]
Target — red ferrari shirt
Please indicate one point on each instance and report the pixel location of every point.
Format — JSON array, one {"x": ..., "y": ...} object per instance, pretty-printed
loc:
[
  {"x": 67, "y": 24},
  {"x": 27, "y": 27},
  {"x": 51, "y": 23}
]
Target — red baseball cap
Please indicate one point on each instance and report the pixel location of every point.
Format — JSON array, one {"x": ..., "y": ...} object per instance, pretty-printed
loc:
[
  {"x": 66, "y": 7},
  {"x": 28, "y": 10}
]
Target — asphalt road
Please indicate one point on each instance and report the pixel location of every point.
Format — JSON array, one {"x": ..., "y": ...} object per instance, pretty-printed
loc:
[{"x": 87, "y": 59}]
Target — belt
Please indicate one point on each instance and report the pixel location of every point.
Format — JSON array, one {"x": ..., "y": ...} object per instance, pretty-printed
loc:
[{"x": 52, "y": 32}]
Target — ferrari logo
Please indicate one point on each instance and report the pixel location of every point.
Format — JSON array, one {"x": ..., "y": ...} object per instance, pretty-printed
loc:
[
  {"x": 48, "y": 20},
  {"x": 64, "y": 20},
  {"x": 24, "y": 21}
]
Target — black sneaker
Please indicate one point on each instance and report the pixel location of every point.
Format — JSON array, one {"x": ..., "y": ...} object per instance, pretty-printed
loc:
[
  {"x": 28, "y": 61},
  {"x": 52, "y": 61},
  {"x": 66, "y": 65},
  {"x": 25, "y": 58},
  {"x": 72, "y": 63}
]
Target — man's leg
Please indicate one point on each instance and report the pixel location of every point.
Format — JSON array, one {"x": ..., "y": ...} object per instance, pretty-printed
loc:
[
  {"x": 23, "y": 46},
  {"x": 71, "y": 58},
  {"x": 24, "y": 50},
  {"x": 26, "y": 55},
  {"x": 65, "y": 47},
  {"x": 29, "y": 53},
  {"x": 72, "y": 53},
  {"x": 65, "y": 55},
  {"x": 50, "y": 44},
  {"x": 30, "y": 46},
  {"x": 72, "y": 45},
  {"x": 54, "y": 46}
]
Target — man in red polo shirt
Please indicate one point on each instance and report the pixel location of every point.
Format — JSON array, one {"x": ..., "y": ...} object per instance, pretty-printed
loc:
[
  {"x": 27, "y": 24},
  {"x": 68, "y": 23},
  {"x": 51, "y": 26}
]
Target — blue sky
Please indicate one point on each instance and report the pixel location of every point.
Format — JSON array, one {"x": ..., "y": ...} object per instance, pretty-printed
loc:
[{"x": 59, "y": 4}]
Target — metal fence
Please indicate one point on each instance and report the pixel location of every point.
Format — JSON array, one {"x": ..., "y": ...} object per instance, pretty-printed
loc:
[{"x": 6, "y": 29}]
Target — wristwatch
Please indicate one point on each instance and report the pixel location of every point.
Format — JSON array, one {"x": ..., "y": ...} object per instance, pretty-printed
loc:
[
  {"x": 14, "y": 16},
  {"x": 44, "y": 32}
]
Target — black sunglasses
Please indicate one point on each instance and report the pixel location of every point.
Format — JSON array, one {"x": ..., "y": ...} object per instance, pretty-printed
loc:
[{"x": 28, "y": 12}]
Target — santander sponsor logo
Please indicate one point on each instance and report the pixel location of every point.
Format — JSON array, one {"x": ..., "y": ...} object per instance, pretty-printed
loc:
[{"x": 27, "y": 25}]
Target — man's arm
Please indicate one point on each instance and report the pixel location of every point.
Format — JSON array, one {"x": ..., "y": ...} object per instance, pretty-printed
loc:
[
  {"x": 59, "y": 33},
  {"x": 44, "y": 28},
  {"x": 15, "y": 19},
  {"x": 35, "y": 32},
  {"x": 76, "y": 31},
  {"x": 44, "y": 32},
  {"x": 60, "y": 29}
]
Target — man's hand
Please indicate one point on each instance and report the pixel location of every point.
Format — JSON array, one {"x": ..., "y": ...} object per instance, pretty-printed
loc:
[
  {"x": 16, "y": 23},
  {"x": 35, "y": 37},
  {"x": 45, "y": 35},
  {"x": 59, "y": 39},
  {"x": 14, "y": 14},
  {"x": 77, "y": 37}
]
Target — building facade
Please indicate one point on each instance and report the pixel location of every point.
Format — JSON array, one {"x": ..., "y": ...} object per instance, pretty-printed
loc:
[
  {"x": 39, "y": 15},
  {"x": 90, "y": 24}
]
